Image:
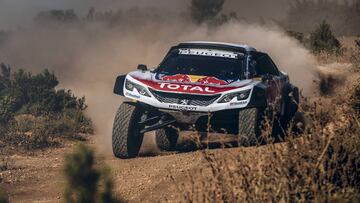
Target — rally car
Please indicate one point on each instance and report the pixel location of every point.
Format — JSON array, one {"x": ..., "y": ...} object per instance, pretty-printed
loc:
[{"x": 204, "y": 86}]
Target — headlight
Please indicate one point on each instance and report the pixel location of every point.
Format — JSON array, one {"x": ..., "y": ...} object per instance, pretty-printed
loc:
[
  {"x": 131, "y": 86},
  {"x": 243, "y": 95}
]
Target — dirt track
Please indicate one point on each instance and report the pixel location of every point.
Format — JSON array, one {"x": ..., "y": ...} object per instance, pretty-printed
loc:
[{"x": 38, "y": 177}]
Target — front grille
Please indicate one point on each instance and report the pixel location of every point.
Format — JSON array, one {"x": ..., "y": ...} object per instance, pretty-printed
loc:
[{"x": 195, "y": 100}]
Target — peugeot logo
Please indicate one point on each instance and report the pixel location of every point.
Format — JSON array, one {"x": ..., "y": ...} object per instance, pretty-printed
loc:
[{"x": 184, "y": 102}]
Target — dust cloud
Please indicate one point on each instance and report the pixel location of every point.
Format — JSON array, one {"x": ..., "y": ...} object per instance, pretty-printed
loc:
[{"x": 88, "y": 58}]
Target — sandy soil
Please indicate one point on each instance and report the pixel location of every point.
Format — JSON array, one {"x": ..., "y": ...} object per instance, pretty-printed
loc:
[{"x": 148, "y": 178}]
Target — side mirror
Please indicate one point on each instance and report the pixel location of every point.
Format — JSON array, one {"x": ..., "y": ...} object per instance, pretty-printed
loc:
[
  {"x": 267, "y": 77},
  {"x": 142, "y": 67}
]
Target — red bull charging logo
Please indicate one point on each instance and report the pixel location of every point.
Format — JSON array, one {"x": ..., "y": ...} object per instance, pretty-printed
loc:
[{"x": 206, "y": 80}]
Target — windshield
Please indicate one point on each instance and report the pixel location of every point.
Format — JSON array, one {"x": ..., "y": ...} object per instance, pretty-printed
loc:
[{"x": 219, "y": 64}]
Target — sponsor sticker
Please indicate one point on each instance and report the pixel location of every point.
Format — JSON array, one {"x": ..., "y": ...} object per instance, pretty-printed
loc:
[
  {"x": 196, "y": 88},
  {"x": 238, "y": 103},
  {"x": 190, "y": 88},
  {"x": 209, "y": 52},
  {"x": 182, "y": 108}
]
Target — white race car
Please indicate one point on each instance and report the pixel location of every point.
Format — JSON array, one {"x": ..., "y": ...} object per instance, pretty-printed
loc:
[{"x": 202, "y": 84}]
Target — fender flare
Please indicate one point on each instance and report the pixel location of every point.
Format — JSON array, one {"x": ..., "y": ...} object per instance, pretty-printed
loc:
[
  {"x": 290, "y": 98},
  {"x": 291, "y": 92},
  {"x": 119, "y": 85}
]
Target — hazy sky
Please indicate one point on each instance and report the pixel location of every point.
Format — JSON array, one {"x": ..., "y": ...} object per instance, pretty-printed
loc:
[{"x": 19, "y": 12}]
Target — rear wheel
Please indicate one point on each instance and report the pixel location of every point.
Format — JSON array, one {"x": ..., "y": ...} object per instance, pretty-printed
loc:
[
  {"x": 166, "y": 138},
  {"x": 291, "y": 99},
  {"x": 126, "y": 136},
  {"x": 298, "y": 123}
]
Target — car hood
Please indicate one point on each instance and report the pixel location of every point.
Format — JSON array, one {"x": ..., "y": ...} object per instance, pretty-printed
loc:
[
  {"x": 187, "y": 85},
  {"x": 188, "y": 79}
]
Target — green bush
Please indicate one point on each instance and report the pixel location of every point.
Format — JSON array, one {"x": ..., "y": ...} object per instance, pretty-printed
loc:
[
  {"x": 34, "y": 132},
  {"x": 7, "y": 103},
  {"x": 36, "y": 94},
  {"x": 86, "y": 183},
  {"x": 30, "y": 132},
  {"x": 323, "y": 40},
  {"x": 33, "y": 113}
]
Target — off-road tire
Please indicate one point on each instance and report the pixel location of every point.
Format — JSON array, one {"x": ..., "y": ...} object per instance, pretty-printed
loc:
[
  {"x": 298, "y": 123},
  {"x": 126, "y": 136},
  {"x": 290, "y": 101},
  {"x": 249, "y": 127},
  {"x": 166, "y": 138}
]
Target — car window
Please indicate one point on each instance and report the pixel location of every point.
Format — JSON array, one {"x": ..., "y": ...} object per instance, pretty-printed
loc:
[
  {"x": 262, "y": 64},
  {"x": 227, "y": 68}
]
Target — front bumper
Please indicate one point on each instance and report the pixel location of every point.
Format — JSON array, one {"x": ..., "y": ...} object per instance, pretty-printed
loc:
[{"x": 194, "y": 103}]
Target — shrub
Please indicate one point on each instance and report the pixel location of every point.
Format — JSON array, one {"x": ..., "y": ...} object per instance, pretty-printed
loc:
[
  {"x": 57, "y": 16},
  {"x": 205, "y": 10},
  {"x": 323, "y": 40},
  {"x": 328, "y": 83},
  {"x": 355, "y": 97},
  {"x": 33, "y": 113},
  {"x": 3, "y": 197},
  {"x": 83, "y": 178},
  {"x": 6, "y": 163},
  {"x": 36, "y": 94},
  {"x": 296, "y": 35},
  {"x": 29, "y": 132},
  {"x": 355, "y": 53},
  {"x": 7, "y": 104},
  {"x": 34, "y": 132},
  {"x": 4, "y": 76}
]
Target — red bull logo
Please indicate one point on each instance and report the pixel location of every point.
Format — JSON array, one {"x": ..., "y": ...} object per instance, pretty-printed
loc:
[
  {"x": 177, "y": 78},
  {"x": 208, "y": 80},
  {"x": 212, "y": 81}
]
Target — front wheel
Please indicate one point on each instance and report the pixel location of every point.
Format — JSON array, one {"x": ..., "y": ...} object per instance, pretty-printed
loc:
[
  {"x": 249, "y": 126},
  {"x": 166, "y": 138},
  {"x": 126, "y": 136}
]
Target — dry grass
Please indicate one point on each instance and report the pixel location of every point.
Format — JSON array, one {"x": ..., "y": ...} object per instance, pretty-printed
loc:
[
  {"x": 350, "y": 54},
  {"x": 6, "y": 163},
  {"x": 328, "y": 83},
  {"x": 31, "y": 132},
  {"x": 320, "y": 166},
  {"x": 3, "y": 197}
]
